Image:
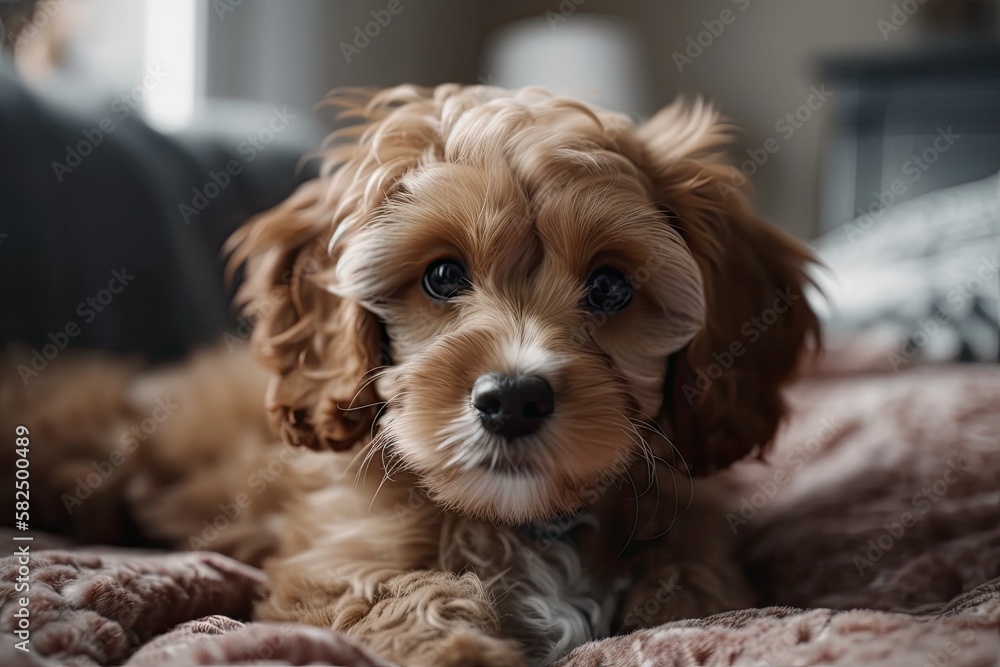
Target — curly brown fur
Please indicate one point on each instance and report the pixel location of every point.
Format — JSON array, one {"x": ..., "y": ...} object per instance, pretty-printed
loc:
[
  {"x": 76, "y": 411},
  {"x": 181, "y": 456},
  {"x": 426, "y": 536}
]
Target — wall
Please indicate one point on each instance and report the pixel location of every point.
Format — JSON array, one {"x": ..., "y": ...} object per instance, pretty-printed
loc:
[{"x": 760, "y": 67}]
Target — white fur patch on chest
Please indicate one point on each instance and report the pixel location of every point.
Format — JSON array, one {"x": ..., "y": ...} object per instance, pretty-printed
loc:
[{"x": 545, "y": 597}]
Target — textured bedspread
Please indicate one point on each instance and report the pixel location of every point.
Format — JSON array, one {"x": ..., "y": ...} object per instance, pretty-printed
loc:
[{"x": 872, "y": 532}]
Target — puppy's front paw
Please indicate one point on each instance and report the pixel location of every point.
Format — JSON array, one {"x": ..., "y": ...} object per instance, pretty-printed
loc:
[{"x": 467, "y": 648}]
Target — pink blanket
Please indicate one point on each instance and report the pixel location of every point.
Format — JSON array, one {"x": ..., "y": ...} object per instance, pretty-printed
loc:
[{"x": 873, "y": 530}]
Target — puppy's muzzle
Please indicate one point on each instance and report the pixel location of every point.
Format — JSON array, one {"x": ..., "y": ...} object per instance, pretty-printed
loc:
[{"x": 512, "y": 405}]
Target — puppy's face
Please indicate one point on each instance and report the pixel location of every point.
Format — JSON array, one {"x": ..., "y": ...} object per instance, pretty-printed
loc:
[
  {"x": 536, "y": 268},
  {"x": 532, "y": 293}
]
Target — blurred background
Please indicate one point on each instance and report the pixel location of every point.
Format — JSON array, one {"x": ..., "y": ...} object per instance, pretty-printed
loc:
[{"x": 140, "y": 133}]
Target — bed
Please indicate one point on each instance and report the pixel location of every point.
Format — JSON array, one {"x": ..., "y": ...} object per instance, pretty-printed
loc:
[{"x": 871, "y": 532}]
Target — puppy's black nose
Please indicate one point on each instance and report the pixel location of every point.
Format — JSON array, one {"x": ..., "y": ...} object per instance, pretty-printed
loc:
[{"x": 512, "y": 405}]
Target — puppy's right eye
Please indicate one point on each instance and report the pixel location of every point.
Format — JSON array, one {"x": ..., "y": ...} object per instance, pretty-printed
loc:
[{"x": 445, "y": 279}]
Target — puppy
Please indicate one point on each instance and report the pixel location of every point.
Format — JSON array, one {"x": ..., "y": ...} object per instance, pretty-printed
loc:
[{"x": 527, "y": 324}]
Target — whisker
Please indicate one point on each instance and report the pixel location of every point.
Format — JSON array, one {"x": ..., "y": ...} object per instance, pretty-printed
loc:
[
  {"x": 379, "y": 373},
  {"x": 647, "y": 452},
  {"x": 388, "y": 472},
  {"x": 363, "y": 452},
  {"x": 635, "y": 520},
  {"x": 644, "y": 451},
  {"x": 653, "y": 427},
  {"x": 379, "y": 413},
  {"x": 360, "y": 407},
  {"x": 377, "y": 443}
]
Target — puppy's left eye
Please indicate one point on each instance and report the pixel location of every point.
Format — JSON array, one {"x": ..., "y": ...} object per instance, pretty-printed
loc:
[
  {"x": 445, "y": 279},
  {"x": 609, "y": 290}
]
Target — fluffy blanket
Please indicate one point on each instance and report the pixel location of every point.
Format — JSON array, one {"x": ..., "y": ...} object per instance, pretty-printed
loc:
[{"x": 872, "y": 532}]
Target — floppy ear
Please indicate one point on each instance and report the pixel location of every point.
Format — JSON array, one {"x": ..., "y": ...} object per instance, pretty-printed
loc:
[
  {"x": 319, "y": 346},
  {"x": 722, "y": 397}
]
